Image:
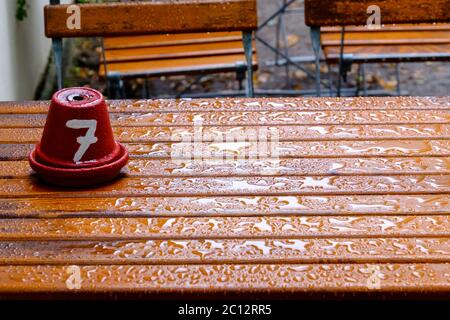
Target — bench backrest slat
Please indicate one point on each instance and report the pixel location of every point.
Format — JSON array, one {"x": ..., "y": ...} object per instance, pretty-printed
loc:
[
  {"x": 320, "y": 13},
  {"x": 157, "y": 17}
]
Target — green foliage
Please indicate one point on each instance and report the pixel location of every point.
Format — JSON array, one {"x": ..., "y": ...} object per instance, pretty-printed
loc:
[{"x": 21, "y": 12}]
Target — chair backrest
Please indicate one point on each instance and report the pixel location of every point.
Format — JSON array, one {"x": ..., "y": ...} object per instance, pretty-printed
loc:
[
  {"x": 321, "y": 13},
  {"x": 156, "y": 17}
]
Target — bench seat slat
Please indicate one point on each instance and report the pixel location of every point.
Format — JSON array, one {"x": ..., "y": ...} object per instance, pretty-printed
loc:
[
  {"x": 404, "y": 27},
  {"x": 389, "y": 42},
  {"x": 393, "y": 44},
  {"x": 213, "y": 64},
  {"x": 173, "y": 52},
  {"x": 358, "y": 36},
  {"x": 392, "y": 53},
  {"x": 169, "y": 39}
]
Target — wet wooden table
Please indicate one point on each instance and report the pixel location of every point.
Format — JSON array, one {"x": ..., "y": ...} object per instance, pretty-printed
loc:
[{"x": 355, "y": 201}]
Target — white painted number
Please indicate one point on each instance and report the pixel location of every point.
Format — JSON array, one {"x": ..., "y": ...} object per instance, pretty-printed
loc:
[{"x": 84, "y": 141}]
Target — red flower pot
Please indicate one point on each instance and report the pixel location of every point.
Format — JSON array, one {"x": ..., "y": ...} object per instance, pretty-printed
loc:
[{"x": 77, "y": 146}]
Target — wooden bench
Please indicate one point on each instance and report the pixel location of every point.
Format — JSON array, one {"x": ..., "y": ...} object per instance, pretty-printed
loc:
[
  {"x": 167, "y": 55},
  {"x": 402, "y": 42},
  {"x": 355, "y": 205},
  {"x": 138, "y": 43}
]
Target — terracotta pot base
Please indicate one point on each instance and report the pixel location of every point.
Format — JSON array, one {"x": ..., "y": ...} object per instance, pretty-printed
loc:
[{"x": 80, "y": 177}]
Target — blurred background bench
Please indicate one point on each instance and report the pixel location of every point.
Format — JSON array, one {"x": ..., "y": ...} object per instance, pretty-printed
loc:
[
  {"x": 163, "y": 54},
  {"x": 382, "y": 43}
]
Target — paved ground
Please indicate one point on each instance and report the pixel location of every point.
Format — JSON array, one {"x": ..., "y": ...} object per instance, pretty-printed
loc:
[{"x": 420, "y": 79}]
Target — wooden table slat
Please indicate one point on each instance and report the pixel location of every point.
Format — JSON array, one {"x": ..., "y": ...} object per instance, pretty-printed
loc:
[
  {"x": 247, "y": 133},
  {"x": 225, "y": 227},
  {"x": 212, "y": 206},
  {"x": 297, "y": 279},
  {"x": 265, "y": 167},
  {"x": 238, "y": 186},
  {"x": 298, "y": 149},
  {"x": 244, "y": 104},
  {"x": 192, "y": 251},
  {"x": 254, "y": 118}
]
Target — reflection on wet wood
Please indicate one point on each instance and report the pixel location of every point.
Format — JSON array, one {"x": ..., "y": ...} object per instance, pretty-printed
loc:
[{"x": 357, "y": 187}]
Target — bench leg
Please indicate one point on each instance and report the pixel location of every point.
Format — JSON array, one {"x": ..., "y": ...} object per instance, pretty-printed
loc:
[
  {"x": 341, "y": 62},
  {"x": 122, "y": 89},
  {"x": 145, "y": 91},
  {"x": 286, "y": 51},
  {"x": 116, "y": 86},
  {"x": 240, "y": 75},
  {"x": 57, "y": 46},
  {"x": 105, "y": 67},
  {"x": 315, "y": 39},
  {"x": 360, "y": 81},
  {"x": 364, "y": 82},
  {"x": 397, "y": 77},
  {"x": 330, "y": 79},
  {"x": 240, "y": 84},
  {"x": 247, "y": 41}
]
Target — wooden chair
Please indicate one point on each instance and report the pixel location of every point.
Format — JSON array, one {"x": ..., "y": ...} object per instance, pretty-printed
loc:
[
  {"x": 329, "y": 21},
  {"x": 174, "y": 54},
  {"x": 206, "y": 36}
]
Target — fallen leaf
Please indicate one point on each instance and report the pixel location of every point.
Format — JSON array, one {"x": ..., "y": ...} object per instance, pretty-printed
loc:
[
  {"x": 292, "y": 39},
  {"x": 263, "y": 77}
]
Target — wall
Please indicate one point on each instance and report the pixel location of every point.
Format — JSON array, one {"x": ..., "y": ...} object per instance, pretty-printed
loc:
[{"x": 24, "y": 50}]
